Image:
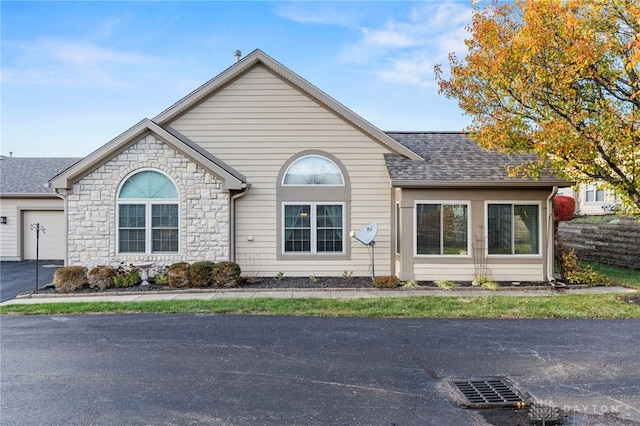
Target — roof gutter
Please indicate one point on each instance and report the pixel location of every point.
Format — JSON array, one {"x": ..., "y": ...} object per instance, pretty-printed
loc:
[
  {"x": 404, "y": 183},
  {"x": 551, "y": 233},
  {"x": 58, "y": 194},
  {"x": 232, "y": 221}
]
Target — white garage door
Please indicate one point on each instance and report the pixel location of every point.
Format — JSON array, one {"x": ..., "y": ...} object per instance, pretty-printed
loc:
[{"x": 52, "y": 240}]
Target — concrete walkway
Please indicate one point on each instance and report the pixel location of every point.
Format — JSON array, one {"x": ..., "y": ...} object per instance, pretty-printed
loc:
[{"x": 356, "y": 293}]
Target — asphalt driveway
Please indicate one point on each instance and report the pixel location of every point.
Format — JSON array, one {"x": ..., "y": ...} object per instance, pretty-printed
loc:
[
  {"x": 247, "y": 370},
  {"x": 20, "y": 277}
]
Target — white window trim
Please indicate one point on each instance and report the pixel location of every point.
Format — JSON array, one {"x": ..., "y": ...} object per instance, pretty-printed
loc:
[
  {"x": 314, "y": 229},
  {"x": 513, "y": 203},
  {"x": 147, "y": 202},
  {"x": 148, "y": 230},
  {"x": 398, "y": 239},
  {"x": 595, "y": 190},
  {"x": 415, "y": 228},
  {"x": 286, "y": 172}
]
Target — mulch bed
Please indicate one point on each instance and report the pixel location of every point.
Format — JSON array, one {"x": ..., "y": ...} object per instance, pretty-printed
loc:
[
  {"x": 291, "y": 282},
  {"x": 632, "y": 298}
]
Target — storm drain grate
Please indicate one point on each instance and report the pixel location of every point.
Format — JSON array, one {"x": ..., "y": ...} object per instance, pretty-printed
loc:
[{"x": 488, "y": 393}]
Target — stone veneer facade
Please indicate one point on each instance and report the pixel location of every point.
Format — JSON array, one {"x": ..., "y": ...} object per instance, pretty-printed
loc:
[{"x": 204, "y": 208}]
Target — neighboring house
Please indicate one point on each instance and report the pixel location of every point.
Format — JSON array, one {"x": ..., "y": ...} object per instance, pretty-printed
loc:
[
  {"x": 591, "y": 199},
  {"x": 26, "y": 199},
  {"x": 260, "y": 167}
]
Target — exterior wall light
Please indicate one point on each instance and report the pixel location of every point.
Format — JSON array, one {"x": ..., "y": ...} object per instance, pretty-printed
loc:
[{"x": 3, "y": 220}]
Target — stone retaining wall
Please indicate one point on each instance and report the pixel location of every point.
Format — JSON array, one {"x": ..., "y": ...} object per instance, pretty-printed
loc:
[{"x": 615, "y": 243}]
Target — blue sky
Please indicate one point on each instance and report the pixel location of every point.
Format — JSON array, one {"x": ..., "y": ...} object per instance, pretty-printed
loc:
[{"x": 77, "y": 74}]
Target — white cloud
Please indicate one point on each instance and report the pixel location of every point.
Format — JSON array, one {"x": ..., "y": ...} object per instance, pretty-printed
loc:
[
  {"x": 405, "y": 49},
  {"x": 387, "y": 38},
  {"x": 48, "y": 61},
  {"x": 312, "y": 13}
]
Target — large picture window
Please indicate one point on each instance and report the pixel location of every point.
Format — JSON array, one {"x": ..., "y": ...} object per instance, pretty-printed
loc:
[
  {"x": 313, "y": 228},
  {"x": 148, "y": 214},
  {"x": 513, "y": 229},
  {"x": 442, "y": 229}
]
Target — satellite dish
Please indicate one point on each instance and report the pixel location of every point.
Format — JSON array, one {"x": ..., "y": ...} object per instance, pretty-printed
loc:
[{"x": 366, "y": 234}]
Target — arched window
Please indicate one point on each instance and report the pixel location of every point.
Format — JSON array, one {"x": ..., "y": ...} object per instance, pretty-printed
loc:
[
  {"x": 148, "y": 208},
  {"x": 314, "y": 202},
  {"x": 313, "y": 170}
]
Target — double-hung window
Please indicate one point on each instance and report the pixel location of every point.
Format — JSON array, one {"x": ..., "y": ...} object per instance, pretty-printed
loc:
[
  {"x": 593, "y": 194},
  {"x": 313, "y": 228},
  {"x": 148, "y": 214},
  {"x": 442, "y": 228},
  {"x": 513, "y": 228}
]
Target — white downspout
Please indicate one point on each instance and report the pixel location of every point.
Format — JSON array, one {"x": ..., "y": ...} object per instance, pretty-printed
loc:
[
  {"x": 550, "y": 236},
  {"x": 232, "y": 222},
  {"x": 56, "y": 191}
]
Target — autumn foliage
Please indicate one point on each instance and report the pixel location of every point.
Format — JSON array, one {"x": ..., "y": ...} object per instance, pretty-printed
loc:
[
  {"x": 559, "y": 79},
  {"x": 563, "y": 208}
]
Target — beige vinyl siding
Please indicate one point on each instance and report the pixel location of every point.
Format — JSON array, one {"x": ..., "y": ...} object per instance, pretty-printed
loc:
[
  {"x": 12, "y": 234},
  {"x": 255, "y": 125},
  {"x": 433, "y": 272},
  {"x": 465, "y": 272}
]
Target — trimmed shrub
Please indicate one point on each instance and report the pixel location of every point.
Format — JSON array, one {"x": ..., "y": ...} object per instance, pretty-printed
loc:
[
  {"x": 226, "y": 274},
  {"x": 161, "y": 275},
  {"x": 201, "y": 274},
  {"x": 386, "y": 281},
  {"x": 563, "y": 208},
  {"x": 101, "y": 277},
  {"x": 69, "y": 278},
  {"x": 179, "y": 275},
  {"x": 126, "y": 276}
]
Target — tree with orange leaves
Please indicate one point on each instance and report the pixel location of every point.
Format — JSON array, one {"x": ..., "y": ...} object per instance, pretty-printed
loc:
[{"x": 558, "y": 78}]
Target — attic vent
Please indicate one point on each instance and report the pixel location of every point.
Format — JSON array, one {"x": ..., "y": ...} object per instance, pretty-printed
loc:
[{"x": 488, "y": 392}]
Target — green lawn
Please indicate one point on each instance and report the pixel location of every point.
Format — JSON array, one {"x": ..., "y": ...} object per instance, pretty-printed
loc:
[
  {"x": 610, "y": 306},
  {"x": 620, "y": 276}
]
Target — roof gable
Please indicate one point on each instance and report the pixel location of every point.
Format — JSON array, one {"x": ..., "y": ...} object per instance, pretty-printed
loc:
[
  {"x": 453, "y": 159},
  {"x": 231, "y": 178},
  {"x": 259, "y": 58}
]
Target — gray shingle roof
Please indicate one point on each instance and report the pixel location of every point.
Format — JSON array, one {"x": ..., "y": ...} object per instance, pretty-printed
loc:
[
  {"x": 30, "y": 175},
  {"x": 454, "y": 158}
]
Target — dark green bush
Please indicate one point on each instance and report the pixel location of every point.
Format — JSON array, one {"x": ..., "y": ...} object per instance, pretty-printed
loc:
[
  {"x": 101, "y": 277},
  {"x": 70, "y": 278},
  {"x": 126, "y": 276},
  {"x": 226, "y": 274},
  {"x": 201, "y": 274},
  {"x": 387, "y": 281},
  {"x": 179, "y": 275},
  {"x": 161, "y": 275}
]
